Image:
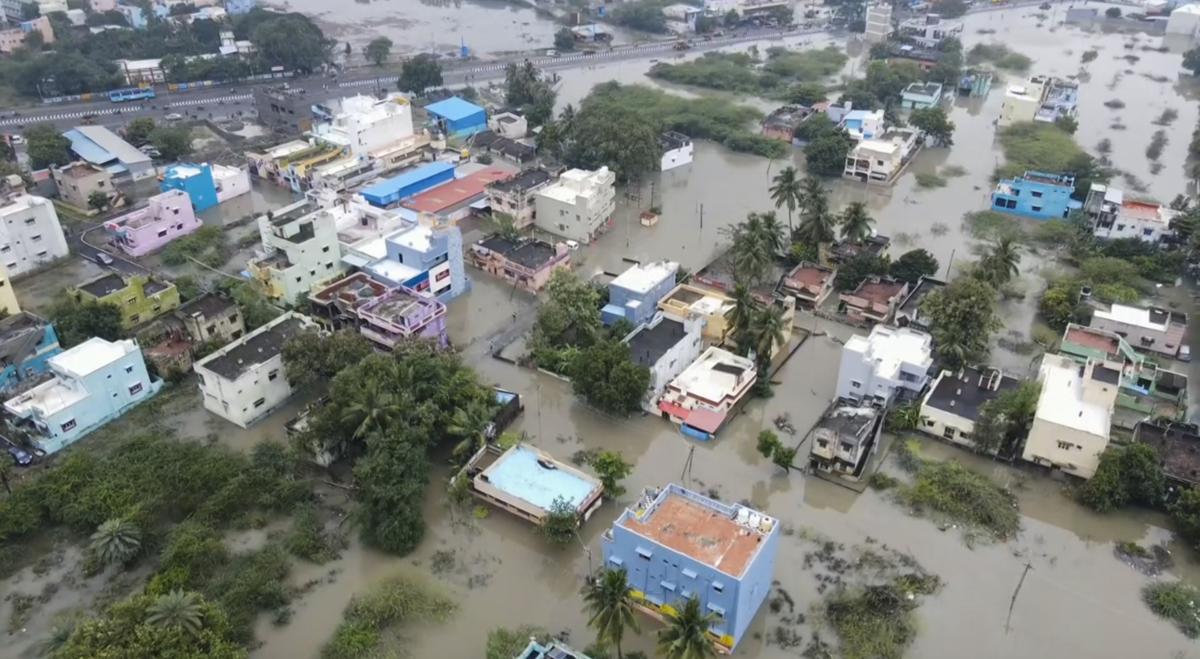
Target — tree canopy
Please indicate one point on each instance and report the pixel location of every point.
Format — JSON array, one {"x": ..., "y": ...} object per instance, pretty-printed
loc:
[
  {"x": 963, "y": 316},
  {"x": 46, "y": 146},
  {"x": 525, "y": 88},
  {"x": 292, "y": 41},
  {"x": 419, "y": 73},
  {"x": 605, "y": 376},
  {"x": 912, "y": 265},
  {"x": 616, "y": 136},
  {"x": 77, "y": 322},
  {"x": 378, "y": 50}
]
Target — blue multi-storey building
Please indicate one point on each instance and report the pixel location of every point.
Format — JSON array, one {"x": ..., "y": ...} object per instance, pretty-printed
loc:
[
  {"x": 1036, "y": 194},
  {"x": 426, "y": 259},
  {"x": 194, "y": 179},
  {"x": 633, "y": 296},
  {"x": 92, "y": 384},
  {"x": 675, "y": 544},
  {"x": 26, "y": 343},
  {"x": 457, "y": 117}
]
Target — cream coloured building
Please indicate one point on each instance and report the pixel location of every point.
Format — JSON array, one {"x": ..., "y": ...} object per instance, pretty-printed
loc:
[
  {"x": 1074, "y": 413},
  {"x": 578, "y": 205}
]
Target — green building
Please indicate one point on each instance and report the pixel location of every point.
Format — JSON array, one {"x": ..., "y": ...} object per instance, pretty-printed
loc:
[{"x": 139, "y": 297}]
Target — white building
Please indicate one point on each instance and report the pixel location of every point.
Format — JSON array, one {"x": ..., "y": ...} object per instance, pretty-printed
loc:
[
  {"x": 881, "y": 159},
  {"x": 30, "y": 235},
  {"x": 362, "y": 124},
  {"x": 1074, "y": 414},
  {"x": 137, "y": 71},
  {"x": 1021, "y": 102},
  {"x": 578, "y": 205},
  {"x": 706, "y": 392},
  {"x": 879, "y": 22},
  {"x": 1114, "y": 217},
  {"x": 299, "y": 250},
  {"x": 507, "y": 124},
  {"x": 929, "y": 31},
  {"x": 1184, "y": 20},
  {"x": 666, "y": 346},
  {"x": 677, "y": 150},
  {"x": 230, "y": 182},
  {"x": 890, "y": 363},
  {"x": 1147, "y": 329},
  {"x": 246, "y": 380},
  {"x": 956, "y": 398}
]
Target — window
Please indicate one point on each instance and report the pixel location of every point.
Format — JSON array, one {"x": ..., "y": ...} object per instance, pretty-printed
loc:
[
  {"x": 847, "y": 447},
  {"x": 135, "y": 388},
  {"x": 68, "y": 425},
  {"x": 134, "y": 318},
  {"x": 948, "y": 433},
  {"x": 718, "y": 586},
  {"x": 1065, "y": 446},
  {"x": 36, "y": 237},
  {"x": 667, "y": 585},
  {"x": 162, "y": 234},
  {"x": 260, "y": 402},
  {"x": 855, "y": 384},
  {"x": 1147, "y": 232},
  {"x": 1011, "y": 203},
  {"x": 211, "y": 329},
  {"x": 822, "y": 443},
  {"x": 325, "y": 248},
  {"x": 1120, "y": 227},
  {"x": 1036, "y": 209},
  {"x": 929, "y": 423},
  {"x": 128, "y": 369},
  {"x": 272, "y": 375},
  {"x": 644, "y": 553},
  {"x": 1036, "y": 193}
]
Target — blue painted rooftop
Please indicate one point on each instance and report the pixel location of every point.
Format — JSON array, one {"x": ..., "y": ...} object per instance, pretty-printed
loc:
[
  {"x": 393, "y": 185},
  {"x": 87, "y": 149},
  {"x": 453, "y": 109},
  {"x": 518, "y": 473}
]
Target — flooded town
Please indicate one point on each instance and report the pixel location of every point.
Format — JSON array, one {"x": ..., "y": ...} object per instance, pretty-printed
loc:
[{"x": 541, "y": 329}]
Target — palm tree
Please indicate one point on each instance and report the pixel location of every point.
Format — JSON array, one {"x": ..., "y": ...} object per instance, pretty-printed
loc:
[
  {"x": 117, "y": 541},
  {"x": 1001, "y": 262},
  {"x": 816, "y": 223},
  {"x": 470, "y": 425},
  {"x": 607, "y": 600},
  {"x": 740, "y": 316},
  {"x": 768, "y": 331},
  {"x": 686, "y": 637},
  {"x": 771, "y": 232},
  {"x": 751, "y": 256},
  {"x": 786, "y": 192},
  {"x": 856, "y": 222},
  {"x": 372, "y": 413},
  {"x": 177, "y": 609}
]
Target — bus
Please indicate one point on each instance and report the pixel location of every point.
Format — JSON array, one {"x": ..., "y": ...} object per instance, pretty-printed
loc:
[{"x": 131, "y": 94}]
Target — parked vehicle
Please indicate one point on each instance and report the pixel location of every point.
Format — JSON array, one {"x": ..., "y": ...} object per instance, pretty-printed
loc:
[
  {"x": 174, "y": 116},
  {"x": 1185, "y": 353},
  {"x": 20, "y": 456},
  {"x": 103, "y": 258}
]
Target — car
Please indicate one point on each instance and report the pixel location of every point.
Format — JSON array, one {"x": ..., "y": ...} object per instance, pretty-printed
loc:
[
  {"x": 151, "y": 151},
  {"x": 103, "y": 258},
  {"x": 551, "y": 53},
  {"x": 20, "y": 456},
  {"x": 1185, "y": 353},
  {"x": 174, "y": 116},
  {"x": 17, "y": 139},
  {"x": 572, "y": 245}
]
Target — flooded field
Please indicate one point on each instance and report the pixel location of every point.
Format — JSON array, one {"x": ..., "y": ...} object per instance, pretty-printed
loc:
[{"x": 1078, "y": 599}]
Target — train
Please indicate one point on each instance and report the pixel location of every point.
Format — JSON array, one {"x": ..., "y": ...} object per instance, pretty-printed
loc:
[{"x": 131, "y": 94}]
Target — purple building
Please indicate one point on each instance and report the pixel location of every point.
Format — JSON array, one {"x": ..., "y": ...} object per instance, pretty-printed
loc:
[
  {"x": 168, "y": 216},
  {"x": 400, "y": 314}
]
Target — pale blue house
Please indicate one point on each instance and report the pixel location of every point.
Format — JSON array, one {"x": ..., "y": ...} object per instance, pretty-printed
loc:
[
  {"x": 26, "y": 345},
  {"x": 675, "y": 544},
  {"x": 633, "y": 296},
  {"x": 1036, "y": 194},
  {"x": 92, "y": 384}
]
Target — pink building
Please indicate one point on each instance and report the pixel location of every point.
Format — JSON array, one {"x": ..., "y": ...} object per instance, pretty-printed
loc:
[
  {"x": 168, "y": 216},
  {"x": 402, "y": 314},
  {"x": 14, "y": 37},
  {"x": 526, "y": 263}
]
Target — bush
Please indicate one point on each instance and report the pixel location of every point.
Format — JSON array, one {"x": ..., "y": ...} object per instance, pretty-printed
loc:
[
  {"x": 964, "y": 496},
  {"x": 1177, "y": 602},
  {"x": 930, "y": 180},
  {"x": 308, "y": 538},
  {"x": 1125, "y": 475},
  {"x": 397, "y": 600}
]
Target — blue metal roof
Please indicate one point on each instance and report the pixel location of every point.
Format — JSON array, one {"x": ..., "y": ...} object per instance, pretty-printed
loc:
[
  {"x": 85, "y": 148},
  {"x": 391, "y": 186},
  {"x": 453, "y": 109}
]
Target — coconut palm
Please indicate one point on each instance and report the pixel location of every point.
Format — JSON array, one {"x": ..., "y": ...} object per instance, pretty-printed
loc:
[
  {"x": 816, "y": 222},
  {"x": 470, "y": 424},
  {"x": 751, "y": 254},
  {"x": 768, "y": 331},
  {"x": 740, "y": 316},
  {"x": 771, "y": 232},
  {"x": 372, "y": 413},
  {"x": 686, "y": 636},
  {"x": 856, "y": 222},
  {"x": 786, "y": 192},
  {"x": 607, "y": 600},
  {"x": 177, "y": 609},
  {"x": 1001, "y": 263},
  {"x": 117, "y": 541}
]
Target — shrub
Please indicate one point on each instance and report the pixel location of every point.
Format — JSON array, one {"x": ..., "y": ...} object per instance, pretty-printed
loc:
[
  {"x": 397, "y": 600},
  {"x": 1177, "y": 602}
]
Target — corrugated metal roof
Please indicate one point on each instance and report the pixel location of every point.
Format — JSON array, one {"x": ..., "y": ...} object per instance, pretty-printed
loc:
[
  {"x": 453, "y": 109},
  {"x": 112, "y": 143}
]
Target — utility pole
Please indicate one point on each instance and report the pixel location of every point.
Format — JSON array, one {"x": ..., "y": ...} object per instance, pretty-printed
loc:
[
  {"x": 686, "y": 476},
  {"x": 1028, "y": 567}
]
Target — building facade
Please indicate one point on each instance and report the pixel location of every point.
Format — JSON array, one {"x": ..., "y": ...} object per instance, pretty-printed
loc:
[
  {"x": 212, "y": 318},
  {"x": 1070, "y": 429},
  {"x": 8, "y": 295},
  {"x": 515, "y": 197},
  {"x": 100, "y": 146},
  {"x": 284, "y": 108},
  {"x": 246, "y": 380},
  {"x": 955, "y": 400},
  {"x": 166, "y": 217},
  {"x": 1113, "y": 217},
  {"x": 390, "y": 192},
  {"x": 874, "y": 300},
  {"x": 881, "y": 159},
  {"x": 30, "y": 235},
  {"x": 526, "y": 482},
  {"x": 921, "y": 95},
  {"x": 675, "y": 544},
  {"x": 139, "y": 297},
  {"x": 27, "y": 343},
  {"x": 677, "y": 150},
  {"x": 1147, "y": 329},
  {"x": 579, "y": 205},
  {"x": 457, "y": 117},
  {"x": 879, "y": 22},
  {"x": 703, "y": 396},
  {"x": 633, "y": 296},
  {"x": 711, "y": 307},
  {"x": 1036, "y": 194},
  {"x": 666, "y": 346},
  {"x": 299, "y": 250},
  {"x": 810, "y": 283},
  {"x": 92, "y": 384},
  {"x": 402, "y": 314},
  {"x": 206, "y": 185},
  {"x": 844, "y": 438},
  {"x": 362, "y": 125},
  {"x": 77, "y": 181},
  {"x": 527, "y": 264},
  {"x": 889, "y": 364}
]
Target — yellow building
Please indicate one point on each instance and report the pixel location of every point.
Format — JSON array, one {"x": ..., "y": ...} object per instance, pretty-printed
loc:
[{"x": 8, "y": 296}]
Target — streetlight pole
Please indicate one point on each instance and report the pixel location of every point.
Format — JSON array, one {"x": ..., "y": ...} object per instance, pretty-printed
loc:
[{"x": 587, "y": 551}]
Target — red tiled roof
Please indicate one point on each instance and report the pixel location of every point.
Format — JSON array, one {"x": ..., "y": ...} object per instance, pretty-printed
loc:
[
  {"x": 677, "y": 411},
  {"x": 455, "y": 192},
  {"x": 704, "y": 419}
]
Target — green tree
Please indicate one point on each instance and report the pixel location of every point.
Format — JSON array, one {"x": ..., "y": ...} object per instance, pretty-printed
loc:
[
  {"x": 97, "y": 200},
  {"x": 786, "y": 191},
  {"x": 826, "y": 154},
  {"x": 568, "y": 304},
  {"x": 561, "y": 524},
  {"x": 1005, "y": 420},
  {"x": 740, "y": 317},
  {"x": 177, "y": 609},
  {"x": 6, "y": 471},
  {"x": 508, "y": 643},
  {"x": 858, "y": 268},
  {"x": 1130, "y": 474},
  {"x": 806, "y": 94},
  {"x": 116, "y": 541},
  {"x": 564, "y": 39},
  {"x": 856, "y": 222},
  {"x": 769, "y": 330},
  {"x": 612, "y": 469},
  {"x": 605, "y": 376},
  {"x": 935, "y": 124},
  {"x": 609, "y": 606},
  {"x": 686, "y": 634},
  {"x": 1185, "y": 512},
  {"x": 311, "y": 357},
  {"x": 173, "y": 142},
  {"x": 1001, "y": 262},
  {"x": 1067, "y": 124},
  {"x": 1191, "y": 61},
  {"x": 618, "y": 137},
  {"x": 963, "y": 317},
  {"x": 817, "y": 224},
  {"x": 950, "y": 8},
  {"x": 46, "y": 146},
  {"x": 470, "y": 424},
  {"x": 139, "y": 130},
  {"x": 768, "y": 442},
  {"x": 76, "y": 322},
  {"x": 122, "y": 630},
  {"x": 756, "y": 242},
  {"x": 391, "y": 481},
  {"x": 378, "y": 50},
  {"x": 1113, "y": 12},
  {"x": 644, "y": 16},
  {"x": 291, "y": 41},
  {"x": 419, "y": 73},
  {"x": 912, "y": 265},
  {"x": 1057, "y": 306}
]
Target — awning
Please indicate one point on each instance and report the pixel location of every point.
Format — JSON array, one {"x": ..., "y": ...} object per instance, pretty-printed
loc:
[
  {"x": 704, "y": 419},
  {"x": 676, "y": 411}
]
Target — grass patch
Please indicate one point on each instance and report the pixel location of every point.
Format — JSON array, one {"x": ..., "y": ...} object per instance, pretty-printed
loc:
[
  {"x": 882, "y": 481},
  {"x": 206, "y": 244},
  {"x": 390, "y": 604},
  {"x": 1114, "y": 104},
  {"x": 1177, "y": 602},
  {"x": 953, "y": 171},
  {"x": 959, "y": 494},
  {"x": 992, "y": 225},
  {"x": 999, "y": 56},
  {"x": 1167, "y": 117},
  {"x": 1038, "y": 147},
  {"x": 930, "y": 180},
  {"x": 1157, "y": 142},
  {"x": 879, "y": 622},
  {"x": 309, "y": 540},
  {"x": 804, "y": 65},
  {"x": 740, "y": 72}
]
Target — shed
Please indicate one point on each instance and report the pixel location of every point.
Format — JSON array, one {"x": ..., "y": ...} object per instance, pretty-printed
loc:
[
  {"x": 387, "y": 192},
  {"x": 456, "y": 116}
]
